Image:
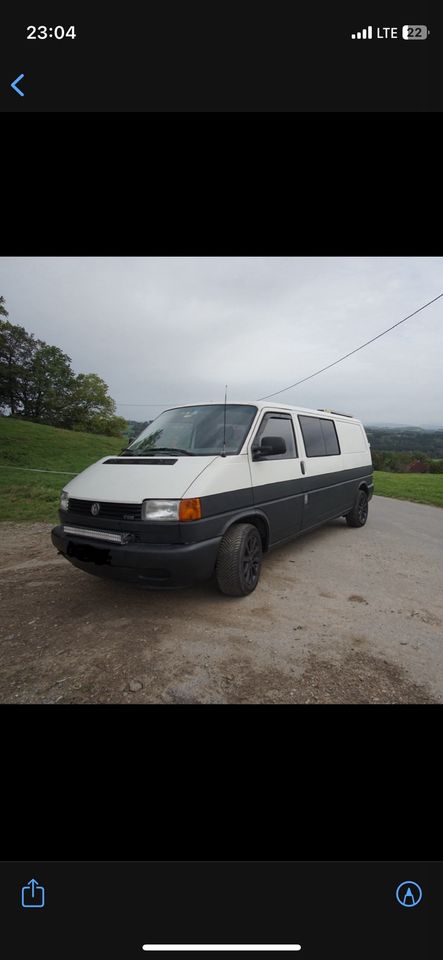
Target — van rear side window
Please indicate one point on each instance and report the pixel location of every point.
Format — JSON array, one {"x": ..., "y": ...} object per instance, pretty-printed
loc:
[{"x": 320, "y": 437}]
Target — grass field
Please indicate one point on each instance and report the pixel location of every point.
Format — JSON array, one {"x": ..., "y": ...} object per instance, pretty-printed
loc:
[
  {"x": 34, "y": 496},
  {"x": 421, "y": 487}
]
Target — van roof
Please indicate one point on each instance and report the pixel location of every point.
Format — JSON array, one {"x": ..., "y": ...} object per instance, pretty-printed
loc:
[{"x": 265, "y": 404}]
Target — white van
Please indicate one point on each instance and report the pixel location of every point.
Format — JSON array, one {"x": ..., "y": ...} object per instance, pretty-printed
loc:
[{"x": 209, "y": 488}]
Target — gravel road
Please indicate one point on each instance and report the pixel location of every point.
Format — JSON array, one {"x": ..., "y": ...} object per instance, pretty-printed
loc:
[{"x": 340, "y": 616}]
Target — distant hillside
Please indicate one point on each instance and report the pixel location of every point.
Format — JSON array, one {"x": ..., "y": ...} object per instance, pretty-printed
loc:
[
  {"x": 24, "y": 444},
  {"x": 407, "y": 440},
  {"x": 379, "y": 425},
  {"x": 135, "y": 427}
]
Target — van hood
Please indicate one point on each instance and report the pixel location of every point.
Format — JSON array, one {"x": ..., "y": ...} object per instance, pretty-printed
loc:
[{"x": 128, "y": 482}]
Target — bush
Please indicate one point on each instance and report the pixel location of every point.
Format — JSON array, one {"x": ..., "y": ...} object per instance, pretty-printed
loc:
[{"x": 393, "y": 461}]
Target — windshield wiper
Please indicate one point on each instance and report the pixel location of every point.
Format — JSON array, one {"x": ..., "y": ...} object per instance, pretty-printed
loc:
[{"x": 186, "y": 453}]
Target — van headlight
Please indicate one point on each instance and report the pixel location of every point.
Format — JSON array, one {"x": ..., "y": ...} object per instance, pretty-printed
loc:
[
  {"x": 189, "y": 509},
  {"x": 160, "y": 509},
  {"x": 64, "y": 500}
]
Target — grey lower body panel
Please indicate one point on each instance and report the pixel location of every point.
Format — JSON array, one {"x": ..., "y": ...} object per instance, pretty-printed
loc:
[
  {"x": 150, "y": 565},
  {"x": 290, "y": 506},
  {"x": 297, "y": 505},
  {"x": 175, "y": 554}
]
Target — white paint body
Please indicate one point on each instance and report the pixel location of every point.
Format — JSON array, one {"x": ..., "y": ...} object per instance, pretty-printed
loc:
[{"x": 202, "y": 476}]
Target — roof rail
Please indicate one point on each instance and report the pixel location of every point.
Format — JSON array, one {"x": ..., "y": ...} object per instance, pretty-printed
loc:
[{"x": 337, "y": 413}]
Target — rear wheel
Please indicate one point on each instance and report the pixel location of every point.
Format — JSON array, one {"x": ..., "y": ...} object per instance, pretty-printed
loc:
[
  {"x": 238, "y": 566},
  {"x": 358, "y": 516}
]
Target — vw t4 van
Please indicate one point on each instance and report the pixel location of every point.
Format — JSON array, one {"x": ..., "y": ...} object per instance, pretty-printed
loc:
[{"x": 208, "y": 489}]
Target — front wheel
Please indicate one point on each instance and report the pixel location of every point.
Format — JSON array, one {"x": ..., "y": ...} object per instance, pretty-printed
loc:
[
  {"x": 358, "y": 516},
  {"x": 238, "y": 566}
]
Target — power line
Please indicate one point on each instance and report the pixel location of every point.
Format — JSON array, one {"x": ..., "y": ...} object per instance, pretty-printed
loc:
[
  {"x": 328, "y": 367},
  {"x": 155, "y": 403}
]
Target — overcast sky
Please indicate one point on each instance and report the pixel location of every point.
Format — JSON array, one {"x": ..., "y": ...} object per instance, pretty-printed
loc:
[{"x": 161, "y": 330}]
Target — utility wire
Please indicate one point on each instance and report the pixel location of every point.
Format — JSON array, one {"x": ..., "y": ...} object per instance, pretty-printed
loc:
[
  {"x": 328, "y": 367},
  {"x": 148, "y": 403}
]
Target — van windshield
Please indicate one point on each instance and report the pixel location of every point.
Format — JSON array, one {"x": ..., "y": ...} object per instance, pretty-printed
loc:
[{"x": 195, "y": 431}]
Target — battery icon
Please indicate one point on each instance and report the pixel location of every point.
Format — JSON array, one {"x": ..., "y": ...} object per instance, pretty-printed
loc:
[{"x": 415, "y": 31}]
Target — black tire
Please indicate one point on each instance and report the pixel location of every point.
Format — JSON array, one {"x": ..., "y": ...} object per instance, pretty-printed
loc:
[
  {"x": 239, "y": 560},
  {"x": 358, "y": 516}
]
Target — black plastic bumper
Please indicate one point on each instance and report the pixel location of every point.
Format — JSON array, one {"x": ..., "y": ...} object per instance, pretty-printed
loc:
[{"x": 151, "y": 565}]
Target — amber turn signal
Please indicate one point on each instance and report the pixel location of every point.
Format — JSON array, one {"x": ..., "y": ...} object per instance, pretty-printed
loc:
[{"x": 190, "y": 509}]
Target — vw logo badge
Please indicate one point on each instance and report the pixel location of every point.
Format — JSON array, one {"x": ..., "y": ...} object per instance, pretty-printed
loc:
[{"x": 95, "y": 509}]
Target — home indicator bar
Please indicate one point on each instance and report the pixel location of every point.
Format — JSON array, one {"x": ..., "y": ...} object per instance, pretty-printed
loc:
[{"x": 221, "y": 947}]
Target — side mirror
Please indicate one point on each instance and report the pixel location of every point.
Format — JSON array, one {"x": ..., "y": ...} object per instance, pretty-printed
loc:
[{"x": 269, "y": 447}]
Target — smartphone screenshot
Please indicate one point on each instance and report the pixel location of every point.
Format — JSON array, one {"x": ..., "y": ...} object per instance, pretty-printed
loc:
[
  {"x": 221, "y": 482},
  {"x": 169, "y": 56},
  {"x": 232, "y": 910}
]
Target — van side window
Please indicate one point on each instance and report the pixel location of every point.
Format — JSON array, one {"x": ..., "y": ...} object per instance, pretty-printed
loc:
[
  {"x": 320, "y": 437},
  {"x": 278, "y": 425}
]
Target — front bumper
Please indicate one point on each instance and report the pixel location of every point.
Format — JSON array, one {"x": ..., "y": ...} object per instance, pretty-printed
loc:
[{"x": 151, "y": 565}]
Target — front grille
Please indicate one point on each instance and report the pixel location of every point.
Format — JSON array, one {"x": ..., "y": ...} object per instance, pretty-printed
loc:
[{"x": 108, "y": 511}]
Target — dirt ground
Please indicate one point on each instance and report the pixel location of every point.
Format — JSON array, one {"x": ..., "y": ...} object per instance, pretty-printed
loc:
[{"x": 339, "y": 616}]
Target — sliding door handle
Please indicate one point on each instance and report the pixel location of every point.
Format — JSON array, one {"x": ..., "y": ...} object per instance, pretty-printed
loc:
[{"x": 302, "y": 465}]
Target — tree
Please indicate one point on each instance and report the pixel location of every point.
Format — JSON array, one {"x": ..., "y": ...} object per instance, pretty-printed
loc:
[
  {"x": 17, "y": 348},
  {"x": 37, "y": 382},
  {"x": 49, "y": 386},
  {"x": 91, "y": 408},
  {"x": 135, "y": 427},
  {"x": 378, "y": 459},
  {"x": 108, "y": 426}
]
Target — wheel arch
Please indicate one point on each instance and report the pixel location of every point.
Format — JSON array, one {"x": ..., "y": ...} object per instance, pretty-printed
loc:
[{"x": 257, "y": 519}]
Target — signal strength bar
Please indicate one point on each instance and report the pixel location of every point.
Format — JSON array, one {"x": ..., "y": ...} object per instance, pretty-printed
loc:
[{"x": 365, "y": 34}]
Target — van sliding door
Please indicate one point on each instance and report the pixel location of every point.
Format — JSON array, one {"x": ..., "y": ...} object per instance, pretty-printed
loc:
[{"x": 326, "y": 492}]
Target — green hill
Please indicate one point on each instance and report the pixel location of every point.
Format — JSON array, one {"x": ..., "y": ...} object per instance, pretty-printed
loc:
[
  {"x": 29, "y": 495},
  {"x": 27, "y": 447},
  {"x": 406, "y": 440}
]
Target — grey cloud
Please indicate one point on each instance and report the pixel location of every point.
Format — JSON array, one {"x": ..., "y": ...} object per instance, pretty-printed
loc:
[{"x": 177, "y": 329}]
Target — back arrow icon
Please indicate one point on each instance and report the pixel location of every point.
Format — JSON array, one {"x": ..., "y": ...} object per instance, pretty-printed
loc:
[{"x": 15, "y": 82}]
